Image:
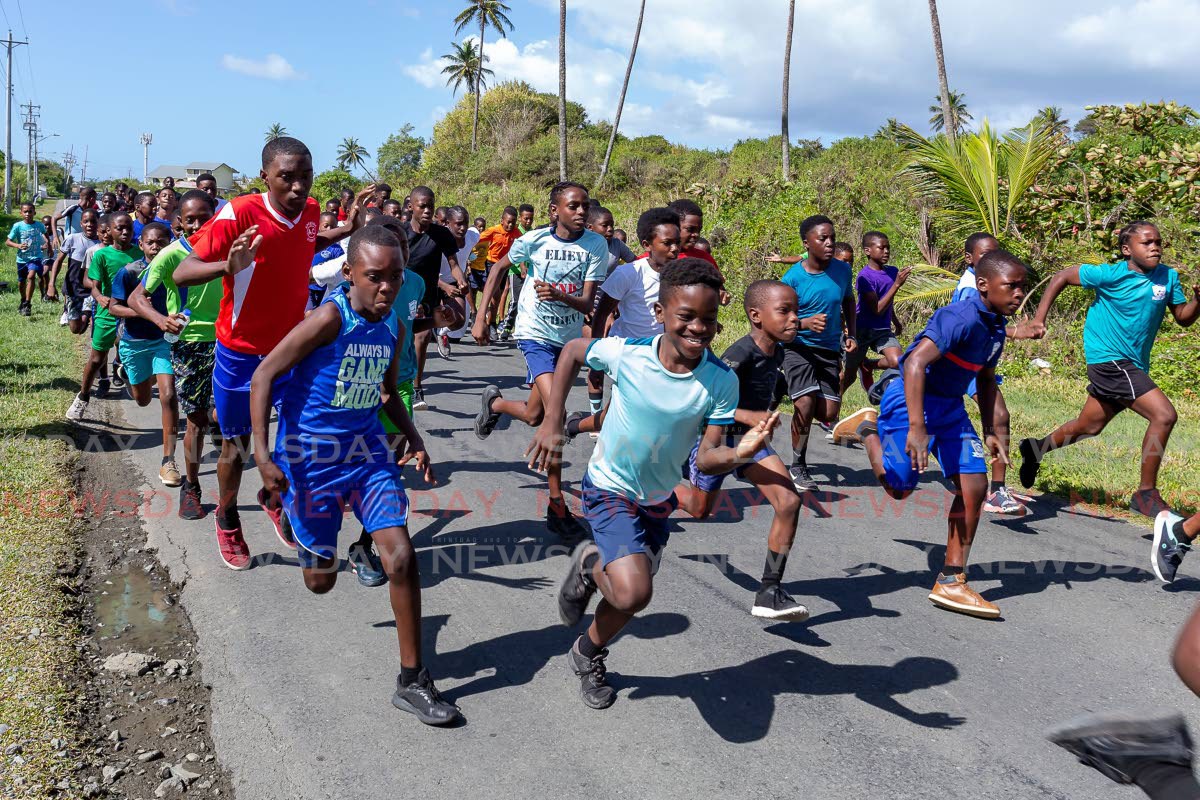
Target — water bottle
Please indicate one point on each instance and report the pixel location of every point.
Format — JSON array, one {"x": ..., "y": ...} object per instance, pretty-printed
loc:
[{"x": 172, "y": 338}]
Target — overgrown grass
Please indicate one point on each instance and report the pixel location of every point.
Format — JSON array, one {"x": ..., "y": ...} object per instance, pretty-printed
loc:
[{"x": 39, "y": 368}]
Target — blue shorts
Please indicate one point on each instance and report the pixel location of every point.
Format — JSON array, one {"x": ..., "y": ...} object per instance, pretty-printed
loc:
[
  {"x": 540, "y": 357},
  {"x": 710, "y": 483},
  {"x": 622, "y": 527},
  {"x": 973, "y": 389},
  {"x": 35, "y": 266},
  {"x": 145, "y": 358},
  {"x": 232, "y": 372},
  {"x": 952, "y": 438},
  {"x": 319, "y": 493}
]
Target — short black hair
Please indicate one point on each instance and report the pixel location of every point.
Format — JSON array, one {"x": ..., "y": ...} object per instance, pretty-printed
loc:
[
  {"x": 421, "y": 191},
  {"x": 441, "y": 210},
  {"x": 509, "y": 211},
  {"x": 457, "y": 211},
  {"x": 198, "y": 194},
  {"x": 105, "y": 219},
  {"x": 370, "y": 212},
  {"x": 997, "y": 262},
  {"x": 1129, "y": 230},
  {"x": 283, "y": 146},
  {"x": 562, "y": 186},
  {"x": 811, "y": 222},
  {"x": 94, "y": 211},
  {"x": 649, "y": 221},
  {"x": 325, "y": 214},
  {"x": 869, "y": 235},
  {"x": 142, "y": 195},
  {"x": 688, "y": 272},
  {"x": 758, "y": 292},
  {"x": 150, "y": 227},
  {"x": 377, "y": 235},
  {"x": 113, "y": 195},
  {"x": 205, "y": 176},
  {"x": 391, "y": 201},
  {"x": 481, "y": 219},
  {"x": 28, "y": 203},
  {"x": 383, "y": 187},
  {"x": 686, "y": 208},
  {"x": 87, "y": 189},
  {"x": 595, "y": 212},
  {"x": 524, "y": 208},
  {"x": 975, "y": 238},
  {"x": 843, "y": 247}
]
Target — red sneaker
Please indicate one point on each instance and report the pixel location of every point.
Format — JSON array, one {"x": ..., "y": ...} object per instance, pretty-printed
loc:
[
  {"x": 232, "y": 546},
  {"x": 283, "y": 528}
]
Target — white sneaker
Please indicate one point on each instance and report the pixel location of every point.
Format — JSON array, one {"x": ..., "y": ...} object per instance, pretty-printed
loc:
[
  {"x": 63, "y": 320},
  {"x": 493, "y": 334},
  {"x": 78, "y": 406},
  {"x": 419, "y": 402}
]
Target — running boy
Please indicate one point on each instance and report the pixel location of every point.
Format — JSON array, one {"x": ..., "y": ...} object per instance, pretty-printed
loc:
[
  {"x": 875, "y": 318},
  {"x": 566, "y": 264},
  {"x": 28, "y": 236},
  {"x": 74, "y": 251},
  {"x": 665, "y": 389},
  {"x": 344, "y": 356},
  {"x": 812, "y": 362},
  {"x": 923, "y": 412},
  {"x": 145, "y": 206},
  {"x": 1132, "y": 296},
  {"x": 842, "y": 251},
  {"x": 756, "y": 360},
  {"x": 510, "y": 295},
  {"x": 600, "y": 220},
  {"x": 499, "y": 240}
]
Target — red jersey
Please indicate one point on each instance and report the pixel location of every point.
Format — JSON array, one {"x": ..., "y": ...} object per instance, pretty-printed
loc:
[
  {"x": 267, "y": 299},
  {"x": 694, "y": 252}
]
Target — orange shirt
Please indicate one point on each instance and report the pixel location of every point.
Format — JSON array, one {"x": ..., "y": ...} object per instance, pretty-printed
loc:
[{"x": 498, "y": 241}]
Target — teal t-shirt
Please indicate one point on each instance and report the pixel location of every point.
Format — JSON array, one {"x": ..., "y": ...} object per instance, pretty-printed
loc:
[
  {"x": 821, "y": 293},
  {"x": 31, "y": 233},
  {"x": 568, "y": 264},
  {"x": 407, "y": 303},
  {"x": 1128, "y": 310},
  {"x": 655, "y": 416}
]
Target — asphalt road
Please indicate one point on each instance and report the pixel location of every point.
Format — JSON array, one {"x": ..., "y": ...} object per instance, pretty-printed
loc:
[{"x": 879, "y": 694}]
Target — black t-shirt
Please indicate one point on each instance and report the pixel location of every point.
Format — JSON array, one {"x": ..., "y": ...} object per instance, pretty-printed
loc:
[
  {"x": 758, "y": 377},
  {"x": 425, "y": 251}
]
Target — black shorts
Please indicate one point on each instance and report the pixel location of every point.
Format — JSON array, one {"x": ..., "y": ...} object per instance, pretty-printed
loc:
[
  {"x": 812, "y": 370},
  {"x": 1118, "y": 382}
]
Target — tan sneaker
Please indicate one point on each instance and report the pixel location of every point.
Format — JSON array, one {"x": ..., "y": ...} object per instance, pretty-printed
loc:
[
  {"x": 168, "y": 473},
  {"x": 847, "y": 429},
  {"x": 952, "y": 593}
]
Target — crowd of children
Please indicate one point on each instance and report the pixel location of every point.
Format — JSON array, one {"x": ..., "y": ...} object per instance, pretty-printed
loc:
[{"x": 229, "y": 307}]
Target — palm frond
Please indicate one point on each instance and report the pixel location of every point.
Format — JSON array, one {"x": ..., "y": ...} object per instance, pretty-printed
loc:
[
  {"x": 954, "y": 173},
  {"x": 927, "y": 283},
  {"x": 1026, "y": 153}
]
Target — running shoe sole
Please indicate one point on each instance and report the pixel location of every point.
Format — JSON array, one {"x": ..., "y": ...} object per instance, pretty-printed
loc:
[
  {"x": 277, "y": 524},
  {"x": 787, "y": 615},
  {"x": 1018, "y": 512},
  {"x": 1162, "y": 526},
  {"x": 486, "y": 419},
  {"x": 1030, "y": 463},
  {"x": 1100, "y": 724},
  {"x": 576, "y": 566},
  {"x": 971, "y": 611},
  {"x": 846, "y": 430}
]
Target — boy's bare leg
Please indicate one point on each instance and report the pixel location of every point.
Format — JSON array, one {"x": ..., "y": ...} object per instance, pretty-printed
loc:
[
  {"x": 963, "y": 520},
  {"x": 170, "y": 414},
  {"x": 404, "y": 590},
  {"x": 193, "y": 444},
  {"x": 1157, "y": 409},
  {"x": 627, "y": 586},
  {"x": 234, "y": 450}
]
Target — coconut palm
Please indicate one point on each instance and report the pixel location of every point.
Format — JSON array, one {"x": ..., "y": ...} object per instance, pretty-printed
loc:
[
  {"x": 562, "y": 89},
  {"x": 959, "y": 115},
  {"x": 787, "y": 79},
  {"x": 352, "y": 155},
  {"x": 274, "y": 132},
  {"x": 487, "y": 14},
  {"x": 612, "y": 136},
  {"x": 1052, "y": 117},
  {"x": 943, "y": 83},
  {"x": 466, "y": 66}
]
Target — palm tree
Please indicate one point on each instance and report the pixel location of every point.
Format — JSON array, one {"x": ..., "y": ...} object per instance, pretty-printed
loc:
[
  {"x": 562, "y": 89},
  {"x": 466, "y": 66},
  {"x": 943, "y": 82},
  {"x": 787, "y": 79},
  {"x": 275, "y": 131},
  {"x": 488, "y": 14},
  {"x": 612, "y": 137},
  {"x": 1052, "y": 117},
  {"x": 351, "y": 155},
  {"x": 959, "y": 115}
]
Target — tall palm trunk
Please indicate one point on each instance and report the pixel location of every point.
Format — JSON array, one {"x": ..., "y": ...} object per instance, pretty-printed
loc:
[
  {"x": 478, "y": 77},
  {"x": 562, "y": 89},
  {"x": 943, "y": 84},
  {"x": 612, "y": 137},
  {"x": 787, "y": 79}
]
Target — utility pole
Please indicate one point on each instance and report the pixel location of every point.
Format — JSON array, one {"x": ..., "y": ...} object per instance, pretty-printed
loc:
[
  {"x": 36, "y": 182},
  {"x": 68, "y": 164},
  {"x": 83, "y": 171},
  {"x": 147, "y": 139},
  {"x": 30, "y": 126},
  {"x": 9, "y": 44}
]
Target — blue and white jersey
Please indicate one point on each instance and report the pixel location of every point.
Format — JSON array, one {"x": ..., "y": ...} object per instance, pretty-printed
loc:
[
  {"x": 655, "y": 416},
  {"x": 331, "y": 401},
  {"x": 568, "y": 264},
  {"x": 966, "y": 286},
  {"x": 970, "y": 338}
]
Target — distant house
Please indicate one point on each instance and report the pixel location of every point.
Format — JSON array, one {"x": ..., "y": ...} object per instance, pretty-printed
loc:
[{"x": 185, "y": 176}]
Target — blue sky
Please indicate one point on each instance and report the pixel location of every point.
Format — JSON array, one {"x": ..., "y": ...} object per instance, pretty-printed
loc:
[{"x": 218, "y": 73}]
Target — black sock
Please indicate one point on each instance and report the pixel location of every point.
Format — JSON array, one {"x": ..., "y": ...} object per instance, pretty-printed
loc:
[
  {"x": 558, "y": 507},
  {"x": 364, "y": 539},
  {"x": 949, "y": 570},
  {"x": 85, "y": 396},
  {"x": 773, "y": 570},
  {"x": 587, "y": 648},
  {"x": 596, "y": 400},
  {"x": 1180, "y": 533},
  {"x": 866, "y": 428},
  {"x": 994, "y": 486},
  {"x": 167, "y": 459},
  {"x": 408, "y": 675},
  {"x": 1168, "y": 781},
  {"x": 573, "y": 426},
  {"x": 229, "y": 520}
]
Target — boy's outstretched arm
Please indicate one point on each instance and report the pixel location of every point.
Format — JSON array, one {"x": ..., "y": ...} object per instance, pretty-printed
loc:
[
  {"x": 714, "y": 457},
  {"x": 491, "y": 291},
  {"x": 1187, "y": 313},
  {"x": 414, "y": 445},
  {"x": 317, "y": 330},
  {"x": 1061, "y": 280},
  {"x": 546, "y": 447},
  {"x": 917, "y": 445},
  {"x": 353, "y": 220},
  {"x": 600, "y": 317},
  {"x": 192, "y": 271}
]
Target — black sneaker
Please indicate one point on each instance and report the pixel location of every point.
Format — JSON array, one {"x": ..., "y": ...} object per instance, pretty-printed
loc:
[
  {"x": 1148, "y": 503},
  {"x": 505, "y": 335},
  {"x": 189, "y": 501},
  {"x": 775, "y": 603},
  {"x": 24, "y": 309},
  {"x": 593, "y": 686},
  {"x": 1167, "y": 551},
  {"x": 575, "y": 416},
  {"x": 422, "y": 699},
  {"x": 366, "y": 565},
  {"x": 103, "y": 386},
  {"x": 1119, "y": 747},
  {"x": 486, "y": 419},
  {"x": 563, "y": 524},
  {"x": 419, "y": 401},
  {"x": 577, "y": 587},
  {"x": 801, "y": 479},
  {"x": 1031, "y": 462},
  {"x": 119, "y": 378}
]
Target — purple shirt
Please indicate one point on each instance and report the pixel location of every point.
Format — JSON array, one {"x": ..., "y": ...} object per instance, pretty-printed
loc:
[{"x": 877, "y": 282}]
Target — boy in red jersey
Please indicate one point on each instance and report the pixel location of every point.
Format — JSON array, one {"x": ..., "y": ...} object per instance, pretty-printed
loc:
[{"x": 262, "y": 246}]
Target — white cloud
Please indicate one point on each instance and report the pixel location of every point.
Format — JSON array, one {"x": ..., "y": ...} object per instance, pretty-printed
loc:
[
  {"x": 427, "y": 71},
  {"x": 1114, "y": 24},
  {"x": 274, "y": 67}
]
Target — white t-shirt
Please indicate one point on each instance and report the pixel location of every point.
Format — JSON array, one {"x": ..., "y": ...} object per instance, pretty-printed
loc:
[
  {"x": 635, "y": 288},
  {"x": 568, "y": 265}
]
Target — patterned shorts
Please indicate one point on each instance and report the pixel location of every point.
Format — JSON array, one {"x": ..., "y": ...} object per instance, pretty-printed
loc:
[{"x": 193, "y": 365}]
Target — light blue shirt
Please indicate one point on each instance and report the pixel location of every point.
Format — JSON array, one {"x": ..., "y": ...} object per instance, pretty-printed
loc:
[
  {"x": 1128, "y": 310},
  {"x": 566, "y": 264},
  {"x": 821, "y": 293},
  {"x": 406, "y": 305},
  {"x": 655, "y": 416}
]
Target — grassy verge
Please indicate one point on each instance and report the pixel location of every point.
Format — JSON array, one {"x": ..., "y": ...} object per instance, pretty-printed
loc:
[{"x": 39, "y": 368}]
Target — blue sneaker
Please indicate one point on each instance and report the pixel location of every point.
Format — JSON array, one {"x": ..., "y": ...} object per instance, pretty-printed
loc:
[
  {"x": 1168, "y": 550},
  {"x": 366, "y": 565}
]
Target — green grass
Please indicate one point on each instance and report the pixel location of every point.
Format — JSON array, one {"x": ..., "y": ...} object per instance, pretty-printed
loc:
[{"x": 39, "y": 371}]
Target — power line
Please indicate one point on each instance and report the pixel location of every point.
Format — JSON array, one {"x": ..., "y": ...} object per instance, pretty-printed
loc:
[{"x": 28, "y": 58}]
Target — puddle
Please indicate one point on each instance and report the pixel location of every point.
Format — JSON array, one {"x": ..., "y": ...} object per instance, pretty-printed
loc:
[{"x": 133, "y": 610}]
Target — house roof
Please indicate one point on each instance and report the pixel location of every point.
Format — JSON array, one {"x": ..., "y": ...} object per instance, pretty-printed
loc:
[
  {"x": 168, "y": 171},
  {"x": 209, "y": 166}
]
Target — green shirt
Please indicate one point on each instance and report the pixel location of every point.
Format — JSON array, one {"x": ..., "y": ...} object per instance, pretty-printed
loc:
[
  {"x": 106, "y": 263},
  {"x": 203, "y": 301},
  {"x": 514, "y": 268},
  {"x": 1124, "y": 319}
]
